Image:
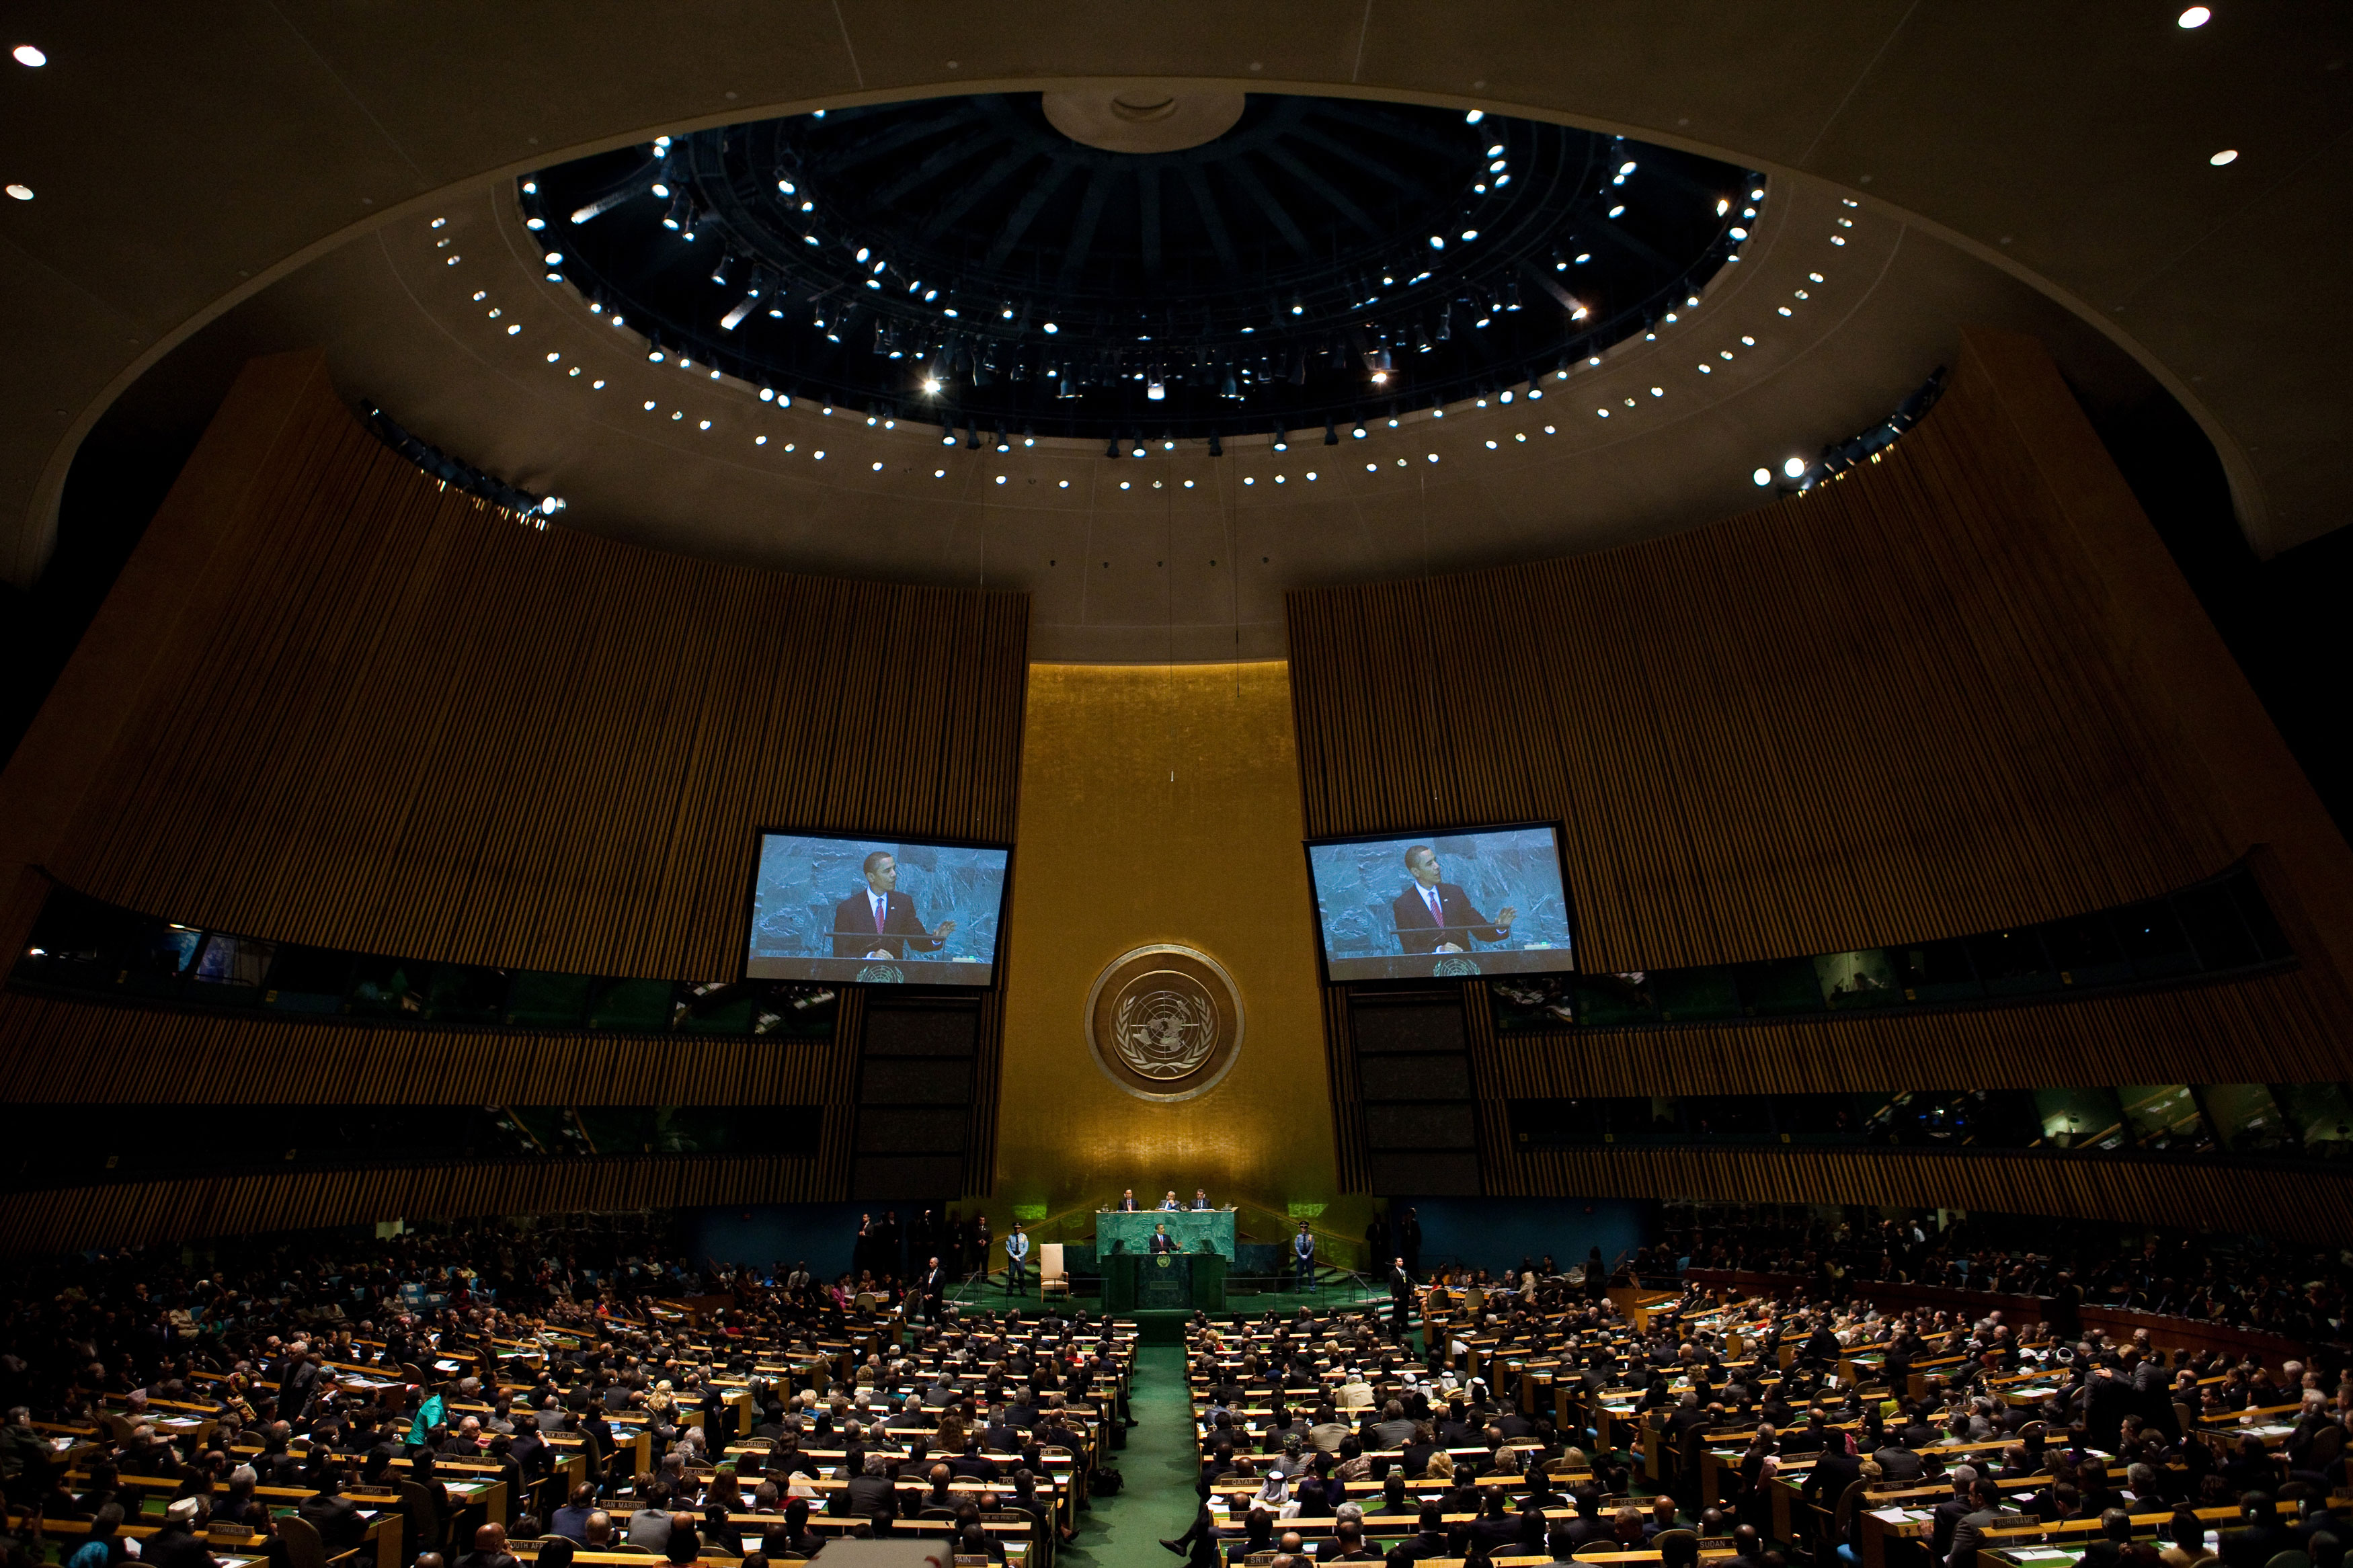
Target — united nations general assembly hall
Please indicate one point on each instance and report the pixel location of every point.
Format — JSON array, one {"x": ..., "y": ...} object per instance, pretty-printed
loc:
[{"x": 1349, "y": 783}]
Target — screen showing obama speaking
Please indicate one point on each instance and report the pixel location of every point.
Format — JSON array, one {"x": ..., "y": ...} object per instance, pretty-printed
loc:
[
  {"x": 1480, "y": 901},
  {"x": 875, "y": 912}
]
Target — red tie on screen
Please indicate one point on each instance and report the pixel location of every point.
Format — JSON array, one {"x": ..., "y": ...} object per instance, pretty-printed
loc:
[
  {"x": 878, "y": 917},
  {"x": 1437, "y": 915}
]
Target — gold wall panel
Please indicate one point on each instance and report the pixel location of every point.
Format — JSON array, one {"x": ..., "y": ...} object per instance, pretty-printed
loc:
[{"x": 1161, "y": 804}]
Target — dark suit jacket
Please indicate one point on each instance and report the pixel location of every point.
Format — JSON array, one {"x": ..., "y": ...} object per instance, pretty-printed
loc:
[
  {"x": 336, "y": 1519},
  {"x": 1969, "y": 1531},
  {"x": 1416, "y": 932},
  {"x": 854, "y": 935},
  {"x": 1161, "y": 1243}
]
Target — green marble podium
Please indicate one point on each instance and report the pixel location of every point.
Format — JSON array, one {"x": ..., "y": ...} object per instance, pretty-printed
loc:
[
  {"x": 1117, "y": 1230},
  {"x": 1183, "y": 1281}
]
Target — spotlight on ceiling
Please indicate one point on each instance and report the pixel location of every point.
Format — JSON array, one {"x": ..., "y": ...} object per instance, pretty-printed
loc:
[
  {"x": 1475, "y": 116},
  {"x": 1138, "y": 452},
  {"x": 1763, "y": 475},
  {"x": 2227, "y": 155},
  {"x": 1281, "y": 439},
  {"x": 1359, "y": 431},
  {"x": 1155, "y": 389},
  {"x": 718, "y": 273},
  {"x": 1795, "y": 468},
  {"x": 1111, "y": 447},
  {"x": 27, "y": 55},
  {"x": 2196, "y": 16},
  {"x": 743, "y": 307},
  {"x": 1216, "y": 447}
]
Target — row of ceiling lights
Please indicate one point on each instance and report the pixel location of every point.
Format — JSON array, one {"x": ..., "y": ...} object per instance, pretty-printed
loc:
[{"x": 1795, "y": 467}]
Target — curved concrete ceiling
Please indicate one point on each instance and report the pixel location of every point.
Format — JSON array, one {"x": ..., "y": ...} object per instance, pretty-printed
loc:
[
  {"x": 185, "y": 161},
  {"x": 450, "y": 323}
]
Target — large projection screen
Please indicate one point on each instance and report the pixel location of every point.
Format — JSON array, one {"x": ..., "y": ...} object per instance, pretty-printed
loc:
[
  {"x": 1456, "y": 901},
  {"x": 875, "y": 912}
]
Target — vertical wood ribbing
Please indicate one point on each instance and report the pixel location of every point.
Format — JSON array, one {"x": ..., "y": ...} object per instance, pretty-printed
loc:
[
  {"x": 1875, "y": 712},
  {"x": 404, "y": 722}
]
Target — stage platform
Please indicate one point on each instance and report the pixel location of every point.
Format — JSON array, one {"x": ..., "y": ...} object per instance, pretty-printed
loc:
[{"x": 1166, "y": 1327}]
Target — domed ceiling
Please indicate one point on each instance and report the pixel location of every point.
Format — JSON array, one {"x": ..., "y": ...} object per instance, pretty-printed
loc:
[{"x": 1154, "y": 264}]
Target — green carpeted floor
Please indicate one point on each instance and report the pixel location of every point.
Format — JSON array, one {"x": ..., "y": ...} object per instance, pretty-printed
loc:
[{"x": 1124, "y": 1532}]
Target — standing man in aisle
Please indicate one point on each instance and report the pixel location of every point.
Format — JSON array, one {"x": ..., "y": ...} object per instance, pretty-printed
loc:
[
  {"x": 1400, "y": 1300},
  {"x": 1016, "y": 1258},
  {"x": 1409, "y": 1242},
  {"x": 1303, "y": 1253}
]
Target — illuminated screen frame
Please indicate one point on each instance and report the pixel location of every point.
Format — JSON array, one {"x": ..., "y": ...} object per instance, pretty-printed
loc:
[
  {"x": 869, "y": 972},
  {"x": 1426, "y": 966}
]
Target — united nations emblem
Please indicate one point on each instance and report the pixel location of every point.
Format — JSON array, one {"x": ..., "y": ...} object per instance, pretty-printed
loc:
[
  {"x": 881, "y": 975},
  {"x": 1165, "y": 1022},
  {"x": 1448, "y": 968}
]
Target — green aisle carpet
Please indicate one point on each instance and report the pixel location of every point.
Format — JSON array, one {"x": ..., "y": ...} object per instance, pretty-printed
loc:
[{"x": 1159, "y": 1501}]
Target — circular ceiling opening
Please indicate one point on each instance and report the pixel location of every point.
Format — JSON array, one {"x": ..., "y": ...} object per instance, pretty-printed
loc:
[{"x": 1140, "y": 262}]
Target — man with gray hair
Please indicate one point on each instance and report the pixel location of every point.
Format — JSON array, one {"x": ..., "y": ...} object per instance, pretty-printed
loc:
[{"x": 1952, "y": 1511}]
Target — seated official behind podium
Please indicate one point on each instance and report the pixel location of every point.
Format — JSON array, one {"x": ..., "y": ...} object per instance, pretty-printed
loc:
[
  {"x": 1161, "y": 1240},
  {"x": 1435, "y": 916},
  {"x": 879, "y": 922},
  {"x": 1126, "y": 1203},
  {"x": 1168, "y": 1203},
  {"x": 1200, "y": 1198}
]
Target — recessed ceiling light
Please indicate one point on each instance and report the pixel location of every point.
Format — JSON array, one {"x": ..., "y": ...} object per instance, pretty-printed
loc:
[
  {"x": 27, "y": 55},
  {"x": 2196, "y": 16},
  {"x": 1763, "y": 475},
  {"x": 22, "y": 193},
  {"x": 1795, "y": 468},
  {"x": 2227, "y": 155}
]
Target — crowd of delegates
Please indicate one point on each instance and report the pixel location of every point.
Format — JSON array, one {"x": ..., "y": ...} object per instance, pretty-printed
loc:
[
  {"x": 305, "y": 1366},
  {"x": 887, "y": 1252},
  {"x": 2299, "y": 1293},
  {"x": 1293, "y": 1411}
]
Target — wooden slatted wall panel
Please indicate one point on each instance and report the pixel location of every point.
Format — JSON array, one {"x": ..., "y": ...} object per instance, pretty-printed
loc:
[
  {"x": 987, "y": 1075},
  {"x": 137, "y": 1214},
  {"x": 2260, "y": 1031},
  {"x": 1877, "y": 713},
  {"x": 68, "y": 1052},
  {"x": 2303, "y": 1204},
  {"x": 1349, "y": 1158},
  {"x": 838, "y": 1095},
  {"x": 405, "y": 723}
]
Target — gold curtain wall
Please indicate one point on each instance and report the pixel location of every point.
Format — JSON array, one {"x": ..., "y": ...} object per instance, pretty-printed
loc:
[{"x": 1160, "y": 804}]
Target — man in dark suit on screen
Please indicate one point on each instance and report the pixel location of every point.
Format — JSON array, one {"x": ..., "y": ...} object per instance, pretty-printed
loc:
[
  {"x": 1435, "y": 916},
  {"x": 879, "y": 923}
]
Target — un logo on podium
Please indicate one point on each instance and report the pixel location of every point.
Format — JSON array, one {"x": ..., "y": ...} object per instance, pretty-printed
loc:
[{"x": 1165, "y": 1022}]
